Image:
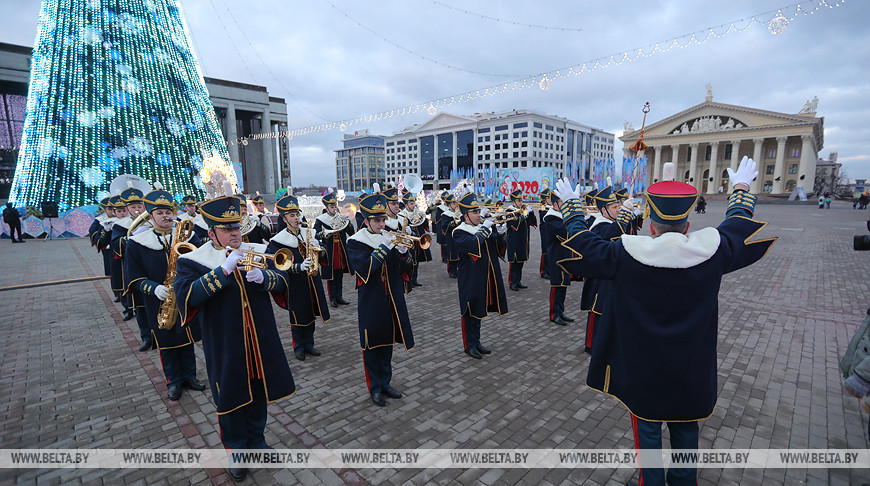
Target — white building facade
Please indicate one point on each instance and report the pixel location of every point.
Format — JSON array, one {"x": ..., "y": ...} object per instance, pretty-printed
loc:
[
  {"x": 514, "y": 139},
  {"x": 706, "y": 139}
]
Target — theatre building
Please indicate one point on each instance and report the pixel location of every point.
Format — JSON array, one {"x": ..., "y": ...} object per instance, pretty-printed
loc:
[{"x": 706, "y": 139}]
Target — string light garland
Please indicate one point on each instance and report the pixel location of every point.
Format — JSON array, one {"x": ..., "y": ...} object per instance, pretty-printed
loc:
[
  {"x": 503, "y": 21},
  {"x": 115, "y": 88},
  {"x": 775, "y": 21}
]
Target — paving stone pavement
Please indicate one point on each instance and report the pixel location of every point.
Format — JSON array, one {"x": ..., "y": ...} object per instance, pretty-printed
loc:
[{"x": 72, "y": 377}]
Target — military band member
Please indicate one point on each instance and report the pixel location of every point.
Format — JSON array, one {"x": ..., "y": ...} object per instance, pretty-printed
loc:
[
  {"x": 437, "y": 211},
  {"x": 656, "y": 347},
  {"x": 246, "y": 364},
  {"x": 518, "y": 241},
  {"x": 253, "y": 231},
  {"x": 145, "y": 264},
  {"x": 105, "y": 240},
  {"x": 446, "y": 225},
  {"x": 334, "y": 241},
  {"x": 99, "y": 228},
  {"x": 481, "y": 289},
  {"x": 610, "y": 222},
  {"x": 554, "y": 231},
  {"x": 406, "y": 216},
  {"x": 391, "y": 194},
  {"x": 304, "y": 297},
  {"x": 380, "y": 268},
  {"x": 190, "y": 211},
  {"x": 545, "y": 201},
  {"x": 132, "y": 199}
]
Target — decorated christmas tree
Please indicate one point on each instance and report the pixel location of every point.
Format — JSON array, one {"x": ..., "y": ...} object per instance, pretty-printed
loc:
[{"x": 115, "y": 88}]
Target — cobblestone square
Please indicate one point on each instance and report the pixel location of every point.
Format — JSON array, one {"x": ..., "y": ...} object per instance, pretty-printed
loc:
[{"x": 74, "y": 379}]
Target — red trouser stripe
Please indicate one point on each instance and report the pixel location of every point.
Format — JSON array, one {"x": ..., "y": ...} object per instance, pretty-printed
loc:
[
  {"x": 368, "y": 380},
  {"x": 464, "y": 340},
  {"x": 552, "y": 303},
  {"x": 636, "y": 445},
  {"x": 590, "y": 324}
]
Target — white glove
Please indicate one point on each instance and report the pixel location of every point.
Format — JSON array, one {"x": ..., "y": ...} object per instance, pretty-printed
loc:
[
  {"x": 745, "y": 174},
  {"x": 305, "y": 265},
  {"x": 314, "y": 243},
  {"x": 564, "y": 190},
  {"x": 409, "y": 230},
  {"x": 390, "y": 241},
  {"x": 402, "y": 249},
  {"x": 232, "y": 260},
  {"x": 484, "y": 213},
  {"x": 487, "y": 224},
  {"x": 108, "y": 225},
  {"x": 628, "y": 205},
  {"x": 161, "y": 292},
  {"x": 501, "y": 228},
  {"x": 254, "y": 276}
]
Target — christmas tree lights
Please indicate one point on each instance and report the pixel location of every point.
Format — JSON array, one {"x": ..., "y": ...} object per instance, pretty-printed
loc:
[{"x": 115, "y": 88}]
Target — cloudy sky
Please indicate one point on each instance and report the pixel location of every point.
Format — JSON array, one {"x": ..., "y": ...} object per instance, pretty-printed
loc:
[{"x": 335, "y": 60}]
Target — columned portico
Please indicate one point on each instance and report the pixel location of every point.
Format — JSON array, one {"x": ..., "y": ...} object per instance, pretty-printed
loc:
[
  {"x": 712, "y": 185},
  {"x": 693, "y": 165},
  {"x": 780, "y": 160},
  {"x": 756, "y": 156},
  {"x": 657, "y": 170}
]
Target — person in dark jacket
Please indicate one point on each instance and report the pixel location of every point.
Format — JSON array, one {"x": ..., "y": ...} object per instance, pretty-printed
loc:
[{"x": 12, "y": 217}]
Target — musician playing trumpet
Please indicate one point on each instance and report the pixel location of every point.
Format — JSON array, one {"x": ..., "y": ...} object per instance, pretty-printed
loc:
[
  {"x": 253, "y": 231},
  {"x": 145, "y": 265},
  {"x": 329, "y": 230},
  {"x": 518, "y": 240},
  {"x": 416, "y": 224},
  {"x": 481, "y": 289},
  {"x": 304, "y": 297},
  {"x": 450, "y": 218}
]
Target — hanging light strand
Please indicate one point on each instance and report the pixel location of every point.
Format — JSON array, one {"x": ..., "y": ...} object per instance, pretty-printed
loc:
[{"x": 504, "y": 21}]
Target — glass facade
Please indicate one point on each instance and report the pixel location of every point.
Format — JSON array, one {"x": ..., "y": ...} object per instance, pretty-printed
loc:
[
  {"x": 427, "y": 157},
  {"x": 445, "y": 155},
  {"x": 465, "y": 149}
]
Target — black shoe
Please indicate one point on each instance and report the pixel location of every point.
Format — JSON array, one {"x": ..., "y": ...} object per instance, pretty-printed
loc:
[
  {"x": 378, "y": 399},
  {"x": 566, "y": 318},
  {"x": 312, "y": 351},
  {"x": 588, "y": 350},
  {"x": 515, "y": 288},
  {"x": 391, "y": 392},
  {"x": 483, "y": 350},
  {"x": 194, "y": 384},
  {"x": 474, "y": 353},
  {"x": 174, "y": 393},
  {"x": 300, "y": 354},
  {"x": 341, "y": 301},
  {"x": 129, "y": 314},
  {"x": 452, "y": 275},
  {"x": 333, "y": 303},
  {"x": 146, "y": 344},
  {"x": 558, "y": 320},
  {"x": 238, "y": 473},
  {"x": 522, "y": 285},
  {"x": 117, "y": 299},
  {"x": 545, "y": 275},
  {"x": 416, "y": 284}
]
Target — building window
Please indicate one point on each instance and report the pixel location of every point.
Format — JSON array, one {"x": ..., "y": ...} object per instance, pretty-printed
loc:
[
  {"x": 792, "y": 168},
  {"x": 708, "y": 152},
  {"x": 538, "y": 125},
  {"x": 796, "y": 152},
  {"x": 688, "y": 153},
  {"x": 769, "y": 170},
  {"x": 727, "y": 151},
  {"x": 521, "y": 125},
  {"x": 516, "y": 134},
  {"x": 483, "y": 130},
  {"x": 524, "y": 153},
  {"x": 501, "y": 128},
  {"x": 771, "y": 153},
  {"x": 789, "y": 186},
  {"x": 768, "y": 186}
]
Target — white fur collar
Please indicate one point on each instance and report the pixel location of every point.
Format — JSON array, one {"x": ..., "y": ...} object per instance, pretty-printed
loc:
[
  {"x": 393, "y": 223},
  {"x": 325, "y": 218},
  {"x": 151, "y": 240},
  {"x": 599, "y": 219},
  {"x": 368, "y": 238},
  {"x": 673, "y": 250},
  {"x": 553, "y": 212},
  {"x": 467, "y": 228},
  {"x": 448, "y": 213},
  {"x": 286, "y": 238},
  {"x": 125, "y": 222},
  {"x": 211, "y": 257},
  {"x": 443, "y": 207},
  {"x": 102, "y": 218},
  {"x": 198, "y": 221}
]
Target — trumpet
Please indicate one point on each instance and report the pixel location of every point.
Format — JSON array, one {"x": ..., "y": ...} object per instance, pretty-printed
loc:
[
  {"x": 283, "y": 258},
  {"x": 498, "y": 206},
  {"x": 508, "y": 215},
  {"x": 544, "y": 207},
  {"x": 409, "y": 241}
]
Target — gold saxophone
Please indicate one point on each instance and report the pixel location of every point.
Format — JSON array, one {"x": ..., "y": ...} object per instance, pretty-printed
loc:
[
  {"x": 312, "y": 252},
  {"x": 168, "y": 308}
]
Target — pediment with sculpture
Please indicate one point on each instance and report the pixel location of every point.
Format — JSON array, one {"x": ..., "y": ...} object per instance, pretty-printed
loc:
[{"x": 708, "y": 123}]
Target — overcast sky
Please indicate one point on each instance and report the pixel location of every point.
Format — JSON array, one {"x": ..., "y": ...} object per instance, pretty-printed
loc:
[{"x": 328, "y": 67}]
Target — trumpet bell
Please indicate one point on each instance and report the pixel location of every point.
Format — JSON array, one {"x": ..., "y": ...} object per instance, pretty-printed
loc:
[
  {"x": 425, "y": 241},
  {"x": 283, "y": 259}
]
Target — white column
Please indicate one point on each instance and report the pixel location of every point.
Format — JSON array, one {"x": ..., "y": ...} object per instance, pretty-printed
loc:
[
  {"x": 735, "y": 154},
  {"x": 693, "y": 166},
  {"x": 713, "y": 169},
  {"x": 756, "y": 155},
  {"x": 780, "y": 162},
  {"x": 657, "y": 168},
  {"x": 807, "y": 156},
  {"x": 675, "y": 158}
]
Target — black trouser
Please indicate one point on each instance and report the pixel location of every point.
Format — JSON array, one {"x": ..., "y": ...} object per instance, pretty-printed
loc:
[
  {"x": 470, "y": 332},
  {"x": 414, "y": 274},
  {"x": 544, "y": 265},
  {"x": 515, "y": 273},
  {"x": 141, "y": 319},
  {"x": 13, "y": 227},
  {"x": 557, "y": 301},
  {"x": 379, "y": 367},
  {"x": 179, "y": 365},
  {"x": 334, "y": 286},
  {"x": 244, "y": 427},
  {"x": 303, "y": 336}
]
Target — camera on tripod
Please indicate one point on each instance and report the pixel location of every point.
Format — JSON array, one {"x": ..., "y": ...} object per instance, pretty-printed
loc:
[{"x": 862, "y": 242}]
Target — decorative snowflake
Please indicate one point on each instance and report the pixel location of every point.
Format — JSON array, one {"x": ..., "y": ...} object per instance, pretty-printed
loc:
[
  {"x": 140, "y": 146},
  {"x": 107, "y": 112},
  {"x": 175, "y": 127},
  {"x": 91, "y": 35},
  {"x": 92, "y": 176},
  {"x": 87, "y": 118}
]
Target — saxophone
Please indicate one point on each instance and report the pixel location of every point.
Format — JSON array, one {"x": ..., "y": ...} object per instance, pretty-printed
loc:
[
  {"x": 168, "y": 308},
  {"x": 311, "y": 251}
]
